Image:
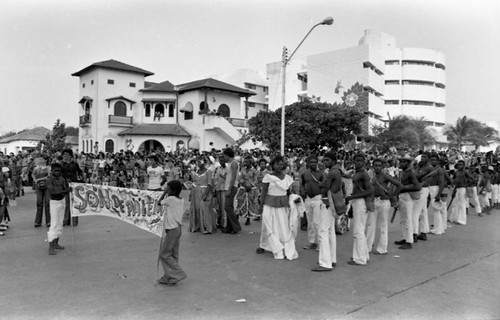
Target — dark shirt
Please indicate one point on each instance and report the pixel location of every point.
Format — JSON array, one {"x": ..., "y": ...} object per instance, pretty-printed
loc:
[{"x": 56, "y": 186}]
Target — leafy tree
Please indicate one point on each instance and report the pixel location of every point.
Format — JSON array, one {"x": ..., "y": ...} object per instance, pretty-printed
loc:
[
  {"x": 71, "y": 131},
  {"x": 55, "y": 140},
  {"x": 308, "y": 125},
  {"x": 470, "y": 131},
  {"x": 403, "y": 132}
]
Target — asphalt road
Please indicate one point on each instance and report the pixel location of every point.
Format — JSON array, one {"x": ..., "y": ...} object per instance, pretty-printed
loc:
[{"x": 108, "y": 271}]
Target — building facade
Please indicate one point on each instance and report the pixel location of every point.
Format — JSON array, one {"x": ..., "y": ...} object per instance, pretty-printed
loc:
[
  {"x": 399, "y": 81},
  {"x": 119, "y": 110}
]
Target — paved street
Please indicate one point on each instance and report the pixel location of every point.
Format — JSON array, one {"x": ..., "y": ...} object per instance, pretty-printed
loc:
[{"x": 110, "y": 272}]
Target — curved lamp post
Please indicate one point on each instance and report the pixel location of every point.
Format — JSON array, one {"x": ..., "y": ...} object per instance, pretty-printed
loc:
[{"x": 285, "y": 60}]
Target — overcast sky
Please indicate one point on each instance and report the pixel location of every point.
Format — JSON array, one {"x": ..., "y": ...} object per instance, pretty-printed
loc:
[{"x": 44, "y": 41}]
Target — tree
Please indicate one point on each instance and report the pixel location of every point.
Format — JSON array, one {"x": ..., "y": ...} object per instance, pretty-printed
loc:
[
  {"x": 483, "y": 136},
  {"x": 55, "y": 140},
  {"x": 71, "y": 131},
  {"x": 403, "y": 132},
  {"x": 308, "y": 125},
  {"x": 470, "y": 131}
]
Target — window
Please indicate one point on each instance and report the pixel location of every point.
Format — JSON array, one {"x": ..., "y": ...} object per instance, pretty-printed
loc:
[
  {"x": 391, "y": 101},
  {"x": 83, "y": 85},
  {"x": 418, "y": 63},
  {"x": 418, "y": 102},
  {"x": 440, "y": 66},
  {"x": 224, "y": 110},
  {"x": 109, "y": 146},
  {"x": 251, "y": 104},
  {"x": 265, "y": 89},
  {"x": 91, "y": 81},
  {"x": 188, "y": 115},
  {"x": 440, "y": 86},
  {"x": 83, "y": 146},
  {"x": 159, "y": 110},
  {"x": 250, "y": 86},
  {"x": 148, "y": 110},
  {"x": 203, "y": 105},
  {"x": 391, "y": 62},
  {"x": 418, "y": 83},
  {"x": 391, "y": 82},
  {"x": 171, "y": 110},
  {"x": 132, "y": 84},
  {"x": 120, "y": 109},
  {"x": 111, "y": 81}
]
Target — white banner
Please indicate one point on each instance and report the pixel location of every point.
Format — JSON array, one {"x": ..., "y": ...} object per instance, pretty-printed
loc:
[{"x": 137, "y": 207}]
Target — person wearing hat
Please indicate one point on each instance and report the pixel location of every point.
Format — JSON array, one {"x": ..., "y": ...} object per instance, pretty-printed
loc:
[
  {"x": 410, "y": 184},
  {"x": 458, "y": 203},
  {"x": 437, "y": 207}
]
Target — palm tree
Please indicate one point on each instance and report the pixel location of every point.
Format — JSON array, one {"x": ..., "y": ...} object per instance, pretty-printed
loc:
[
  {"x": 405, "y": 132},
  {"x": 470, "y": 131},
  {"x": 460, "y": 133}
]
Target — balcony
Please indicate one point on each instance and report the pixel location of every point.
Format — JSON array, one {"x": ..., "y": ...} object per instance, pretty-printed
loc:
[
  {"x": 85, "y": 120},
  {"x": 120, "y": 121}
]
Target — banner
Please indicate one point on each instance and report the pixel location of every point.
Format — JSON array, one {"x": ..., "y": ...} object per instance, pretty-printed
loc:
[{"x": 138, "y": 207}]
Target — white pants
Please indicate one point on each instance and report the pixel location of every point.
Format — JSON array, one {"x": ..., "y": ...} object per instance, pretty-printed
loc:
[
  {"x": 439, "y": 216},
  {"x": 474, "y": 200},
  {"x": 420, "y": 209},
  {"x": 312, "y": 213},
  {"x": 405, "y": 211},
  {"x": 57, "y": 208},
  {"x": 495, "y": 194},
  {"x": 378, "y": 220},
  {"x": 457, "y": 209},
  {"x": 327, "y": 238},
  {"x": 360, "y": 248}
]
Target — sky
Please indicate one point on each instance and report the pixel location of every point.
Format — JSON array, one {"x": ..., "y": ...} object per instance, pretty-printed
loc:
[{"x": 44, "y": 41}]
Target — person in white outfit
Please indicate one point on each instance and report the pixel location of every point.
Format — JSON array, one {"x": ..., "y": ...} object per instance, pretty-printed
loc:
[
  {"x": 310, "y": 191},
  {"x": 457, "y": 206},
  {"x": 437, "y": 207},
  {"x": 378, "y": 220},
  {"x": 362, "y": 188},
  {"x": 58, "y": 188},
  {"x": 276, "y": 234}
]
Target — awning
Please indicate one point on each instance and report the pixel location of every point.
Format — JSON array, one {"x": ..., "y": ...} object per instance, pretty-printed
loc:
[
  {"x": 188, "y": 107},
  {"x": 85, "y": 98}
]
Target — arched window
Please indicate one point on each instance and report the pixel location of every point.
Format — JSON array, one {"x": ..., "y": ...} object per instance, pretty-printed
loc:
[
  {"x": 83, "y": 145},
  {"x": 120, "y": 109},
  {"x": 171, "y": 110},
  {"x": 179, "y": 145},
  {"x": 148, "y": 110},
  {"x": 86, "y": 146},
  {"x": 203, "y": 106},
  {"x": 224, "y": 110},
  {"x": 109, "y": 146},
  {"x": 90, "y": 146},
  {"x": 159, "y": 110},
  {"x": 88, "y": 104}
]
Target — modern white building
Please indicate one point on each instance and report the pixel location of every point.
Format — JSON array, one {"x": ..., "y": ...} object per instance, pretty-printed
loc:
[
  {"x": 398, "y": 81},
  {"x": 119, "y": 110}
]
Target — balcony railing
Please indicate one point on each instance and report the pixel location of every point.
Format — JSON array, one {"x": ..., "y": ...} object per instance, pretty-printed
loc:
[
  {"x": 85, "y": 120},
  {"x": 120, "y": 120},
  {"x": 237, "y": 122}
]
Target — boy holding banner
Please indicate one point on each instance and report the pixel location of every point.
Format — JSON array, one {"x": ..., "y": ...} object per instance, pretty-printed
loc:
[{"x": 172, "y": 223}]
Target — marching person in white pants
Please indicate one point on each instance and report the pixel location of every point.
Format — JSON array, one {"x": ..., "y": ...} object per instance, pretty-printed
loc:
[
  {"x": 420, "y": 215},
  {"x": 58, "y": 188},
  {"x": 310, "y": 180},
  {"x": 378, "y": 220},
  {"x": 471, "y": 191},
  {"x": 362, "y": 188},
  {"x": 457, "y": 208},
  {"x": 410, "y": 184},
  {"x": 437, "y": 207}
]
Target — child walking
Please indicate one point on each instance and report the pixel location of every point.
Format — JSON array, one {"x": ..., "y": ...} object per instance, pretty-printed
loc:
[{"x": 172, "y": 223}]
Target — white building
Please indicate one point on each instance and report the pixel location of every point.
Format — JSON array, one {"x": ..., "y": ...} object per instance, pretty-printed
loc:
[
  {"x": 120, "y": 110},
  {"x": 26, "y": 140},
  {"x": 253, "y": 81},
  {"x": 399, "y": 81}
]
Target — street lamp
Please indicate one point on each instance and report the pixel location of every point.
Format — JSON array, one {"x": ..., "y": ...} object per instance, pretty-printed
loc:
[{"x": 285, "y": 60}]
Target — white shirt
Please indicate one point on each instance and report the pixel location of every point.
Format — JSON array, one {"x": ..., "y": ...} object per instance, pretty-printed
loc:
[{"x": 155, "y": 175}]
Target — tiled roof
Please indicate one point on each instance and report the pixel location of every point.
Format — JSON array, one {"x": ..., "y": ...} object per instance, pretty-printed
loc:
[
  {"x": 35, "y": 134},
  {"x": 120, "y": 98},
  {"x": 115, "y": 65},
  {"x": 165, "y": 86},
  {"x": 213, "y": 84},
  {"x": 156, "y": 130}
]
